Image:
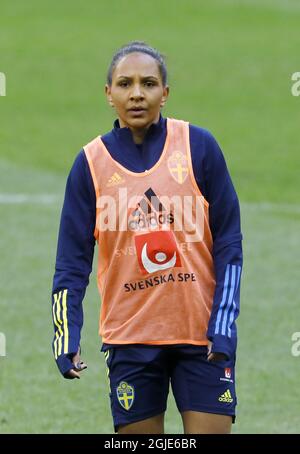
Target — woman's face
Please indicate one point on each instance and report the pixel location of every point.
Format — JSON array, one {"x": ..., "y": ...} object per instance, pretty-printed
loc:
[{"x": 137, "y": 92}]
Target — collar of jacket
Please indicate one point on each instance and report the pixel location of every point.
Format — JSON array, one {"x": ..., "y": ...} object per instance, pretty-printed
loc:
[{"x": 154, "y": 130}]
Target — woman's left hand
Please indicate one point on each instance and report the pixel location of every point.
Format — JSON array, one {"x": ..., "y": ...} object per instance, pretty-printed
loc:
[{"x": 214, "y": 356}]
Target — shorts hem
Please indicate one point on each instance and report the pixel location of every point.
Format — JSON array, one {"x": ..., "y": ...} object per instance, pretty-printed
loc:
[
  {"x": 215, "y": 411},
  {"x": 141, "y": 417}
]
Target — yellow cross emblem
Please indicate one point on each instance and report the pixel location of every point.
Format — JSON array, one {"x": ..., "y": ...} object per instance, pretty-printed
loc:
[
  {"x": 178, "y": 166},
  {"x": 125, "y": 394}
]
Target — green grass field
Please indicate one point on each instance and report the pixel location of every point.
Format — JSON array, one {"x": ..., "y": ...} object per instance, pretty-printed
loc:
[{"x": 230, "y": 65}]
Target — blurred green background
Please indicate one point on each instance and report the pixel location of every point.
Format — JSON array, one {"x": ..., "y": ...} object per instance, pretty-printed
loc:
[{"x": 230, "y": 65}]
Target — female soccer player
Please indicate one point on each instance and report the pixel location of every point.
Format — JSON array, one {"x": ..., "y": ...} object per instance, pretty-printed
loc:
[{"x": 156, "y": 195}]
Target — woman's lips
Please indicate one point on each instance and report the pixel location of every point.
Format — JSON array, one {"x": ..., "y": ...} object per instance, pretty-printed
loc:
[{"x": 137, "y": 112}]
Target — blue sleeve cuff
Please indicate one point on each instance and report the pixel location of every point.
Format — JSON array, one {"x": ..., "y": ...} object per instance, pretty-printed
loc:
[
  {"x": 64, "y": 363},
  {"x": 223, "y": 344}
]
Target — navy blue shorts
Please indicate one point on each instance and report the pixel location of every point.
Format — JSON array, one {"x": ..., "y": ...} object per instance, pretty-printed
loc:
[{"x": 139, "y": 377}]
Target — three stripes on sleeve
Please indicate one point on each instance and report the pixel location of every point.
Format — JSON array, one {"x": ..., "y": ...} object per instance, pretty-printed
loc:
[
  {"x": 60, "y": 319},
  {"x": 228, "y": 309}
]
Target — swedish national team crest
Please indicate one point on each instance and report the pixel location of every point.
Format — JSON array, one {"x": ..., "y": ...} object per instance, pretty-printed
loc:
[
  {"x": 125, "y": 394},
  {"x": 178, "y": 166}
]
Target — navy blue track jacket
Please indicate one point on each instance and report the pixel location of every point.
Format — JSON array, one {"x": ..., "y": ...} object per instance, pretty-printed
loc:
[{"x": 76, "y": 233}]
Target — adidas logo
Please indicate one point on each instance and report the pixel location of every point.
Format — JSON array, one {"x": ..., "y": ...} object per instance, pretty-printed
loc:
[
  {"x": 226, "y": 397},
  {"x": 114, "y": 180},
  {"x": 149, "y": 213}
]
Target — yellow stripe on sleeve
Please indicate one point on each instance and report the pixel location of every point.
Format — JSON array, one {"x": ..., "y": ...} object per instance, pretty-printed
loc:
[
  {"x": 57, "y": 326},
  {"x": 55, "y": 344},
  {"x": 65, "y": 321},
  {"x": 57, "y": 321},
  {"x": 57, "y": 300}
]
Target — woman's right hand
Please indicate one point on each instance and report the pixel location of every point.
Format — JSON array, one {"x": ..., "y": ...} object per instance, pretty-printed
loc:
[{"x": 79, "y": 366}]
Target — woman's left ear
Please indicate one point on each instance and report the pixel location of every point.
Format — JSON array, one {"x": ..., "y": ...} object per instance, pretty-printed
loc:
[{"x": 165, "y": 96}]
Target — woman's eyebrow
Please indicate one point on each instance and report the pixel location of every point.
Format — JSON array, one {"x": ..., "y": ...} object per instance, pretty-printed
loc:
[{"x": 143, "y": 78}]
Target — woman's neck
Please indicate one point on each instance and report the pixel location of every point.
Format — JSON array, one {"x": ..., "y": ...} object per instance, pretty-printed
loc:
[{"x": 138, "y": 135}]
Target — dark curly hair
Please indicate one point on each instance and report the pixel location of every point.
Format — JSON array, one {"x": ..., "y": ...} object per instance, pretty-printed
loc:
[{"x": 142, "y": 47}]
